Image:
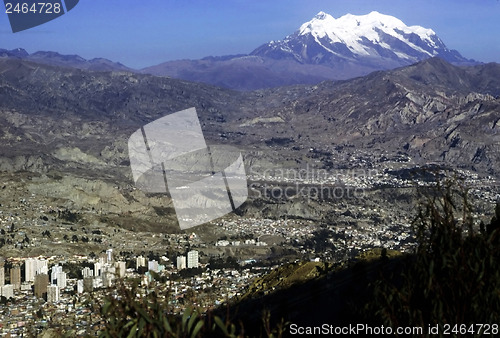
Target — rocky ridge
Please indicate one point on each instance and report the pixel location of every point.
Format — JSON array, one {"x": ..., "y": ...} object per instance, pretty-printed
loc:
[{"x": 72, "y": 126}]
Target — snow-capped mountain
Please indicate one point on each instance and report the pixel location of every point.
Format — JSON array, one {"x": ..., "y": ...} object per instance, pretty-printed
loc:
[
  {"x": 324, "y": 48},
  {"x": 373, "y": 40}
]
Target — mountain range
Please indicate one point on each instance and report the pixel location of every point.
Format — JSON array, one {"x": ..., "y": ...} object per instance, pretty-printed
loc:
[
  {"x": 323, "y": 48},
  {"x": 72, "y": 61},
  {"x": 429, "y": 111},
  {"x": 65, "y": 130}
]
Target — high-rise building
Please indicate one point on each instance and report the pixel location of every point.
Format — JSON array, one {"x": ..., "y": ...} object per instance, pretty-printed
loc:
[
  {"x": 153, "y": 266},
  {"x": 2, "y": 276},
  {"x": 121, "y": 267},
  {"x": 7, "y": 291},
  {"x": 140, "y": 261},
  {"x": 97, "y": 269},
  {"x": 103, "y": 258},
  {"x": 192, "y": 259},
  {"x": 181, "y": 262},
  {"x": 108, "y": 274},
  {"x": 97, "y": 282},
  {"x": 15, "y": 277},
  {"x": 87, "y": 272},
  {"x": 61, "y": 279},
  {"x": 79, "y": 286},
  {"x": 2, "y": 272},
  {"x": 34, "y": 266},
  {"x": 26, "y": 286},
  {"x": 41, "y": 283},
  {"x": 30, "y": 269},
  {"x": 53, "y": 275},
  {"x": 109, "y": 255},
  {"x": 107, "y": 279},
  {"x": 42, "y": 266},
  {"x": 52, "y": 293}
]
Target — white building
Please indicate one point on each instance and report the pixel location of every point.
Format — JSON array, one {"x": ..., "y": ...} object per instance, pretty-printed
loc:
[
  {"x": 108, "y": 274},
  {"x": 97, "y": 282},
  {"x": 7, "y": 291},
  {"x": 107, "y": 279},
  {"x": 153, "y": 266},
  {"x": 53, "y": 275},
  {"x": 30, "y": 269},
  {"x": 140, "y": 261},
  {"x": 79, "y": 286},
  {"x": 52, "y": 293},
  {"x": 61, "y": 280},
  {"x": 121, "y": 267},
  {"x": 103, "y": 258},
  {"x": 192, "y": 259},
  {"x": 222, "y": 243},
  {"x": 97, "y": 269},
  {"x": 109, "y": 255},
  {"x": 87, "y": 272},
  {"x": 33, "y": 267},
  {"x": 181, "y": 262},
  {"x": 42, "y": 267}
]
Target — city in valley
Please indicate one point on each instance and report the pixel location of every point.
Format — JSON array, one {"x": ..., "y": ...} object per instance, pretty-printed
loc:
[{"x": 59, "y": 265}]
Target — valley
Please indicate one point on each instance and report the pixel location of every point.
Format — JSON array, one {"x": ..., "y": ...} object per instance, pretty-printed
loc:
[{"x": 310, "y": 152}]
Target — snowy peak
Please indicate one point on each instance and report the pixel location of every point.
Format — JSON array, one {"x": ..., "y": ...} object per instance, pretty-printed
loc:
[
  {"x": 322, "y": 16},
  {"x": 352, "y": 30},
  {"x": 377, "y": 40}
]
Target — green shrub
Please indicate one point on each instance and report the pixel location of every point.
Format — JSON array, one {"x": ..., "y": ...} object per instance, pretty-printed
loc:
[
  {"x": 454, "y": 275},
  {"x": 127, "y": 315}
]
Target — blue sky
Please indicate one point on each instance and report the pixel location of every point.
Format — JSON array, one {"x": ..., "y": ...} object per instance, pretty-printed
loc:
[{"x": 143, "y": 33}]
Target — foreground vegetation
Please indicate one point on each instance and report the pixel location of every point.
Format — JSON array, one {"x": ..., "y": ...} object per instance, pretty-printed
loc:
[{"x": 454, "y": 276}]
